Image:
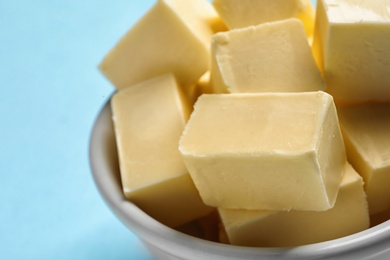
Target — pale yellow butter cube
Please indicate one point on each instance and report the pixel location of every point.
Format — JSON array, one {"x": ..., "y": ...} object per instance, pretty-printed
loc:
[
  {"x": 239, "y": 14},
  {"x": 294, "y": 228},
  {"x": 271, "y": 57},
  {"x": 366, "y": 130},
  {"x": 351, "y": 44},
  {"x": 149, "y": 118},
  {"x": 172, "y": 37},
  {"x": 265, "y": 151}
]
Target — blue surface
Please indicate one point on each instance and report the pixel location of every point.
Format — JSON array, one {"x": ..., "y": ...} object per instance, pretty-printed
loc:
[{"x": 51, "y": 92}]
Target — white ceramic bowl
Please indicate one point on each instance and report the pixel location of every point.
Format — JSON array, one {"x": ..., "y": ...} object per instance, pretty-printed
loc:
[{"x": 166, "y": 243}]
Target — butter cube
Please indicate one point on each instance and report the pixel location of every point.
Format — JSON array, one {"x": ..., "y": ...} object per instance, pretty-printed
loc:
[
  {"x": 173, "y": 36},
  {"x": 277, "y": 151},
  {"x": 351, "y": 43},
  {"x": 149, "y": 118},
  {"x": 294, "y": 228},
  {"x": 366, "y": 130},
  {"x": 271, "y": 57},
  {"x": 239, "y": 14}
]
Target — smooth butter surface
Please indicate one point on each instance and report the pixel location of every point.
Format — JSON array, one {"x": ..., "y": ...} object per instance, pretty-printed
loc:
[
  {"x": 351, "y": 46},
  {"x": 170, "y": 38},
  {"x": 283, "y": 229},
  {"x": 357, "y": 11},
  {"x": 271, "y": 57},
  {"x": 265, "y": 151},
  {"x": 149, "y": 118},
  {"x": 366, "y": 130}
]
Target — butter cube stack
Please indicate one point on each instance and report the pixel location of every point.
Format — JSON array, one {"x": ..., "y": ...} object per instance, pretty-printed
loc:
[
  {"x": 351, "y": 46},
  {"x": 149, "y": 118},
  {"x": 278, "y": 151},
  {"x": 264, "y": 146}
]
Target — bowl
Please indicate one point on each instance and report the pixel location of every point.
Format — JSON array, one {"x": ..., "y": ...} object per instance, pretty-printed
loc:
[{"x": 167, "y": 243}]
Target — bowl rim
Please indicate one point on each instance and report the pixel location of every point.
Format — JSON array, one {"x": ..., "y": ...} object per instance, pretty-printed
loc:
[{"x": 164, "y": 238}]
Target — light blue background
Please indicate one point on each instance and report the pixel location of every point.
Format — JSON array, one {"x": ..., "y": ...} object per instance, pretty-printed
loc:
[{"x": 51, "y": 92}]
